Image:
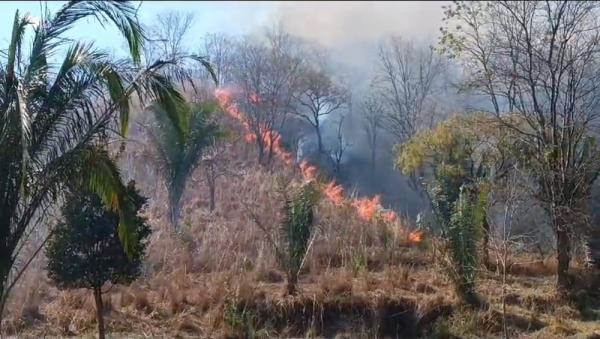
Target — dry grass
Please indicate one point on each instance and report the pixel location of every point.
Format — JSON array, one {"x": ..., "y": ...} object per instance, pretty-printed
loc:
[{"x": 219, "y": 278}]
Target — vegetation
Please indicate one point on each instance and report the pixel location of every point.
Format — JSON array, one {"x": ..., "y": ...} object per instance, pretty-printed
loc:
[
  {"x": 413, "y": 221},
  {"x": 458, "y": 159},
  {"x": 84, "y": 250},
  {"x": 296, "y": 231},
  {"x": 549, "y": 85},
  {"x": 179, "y": 149},
  {"x": 52, "y": 114}
]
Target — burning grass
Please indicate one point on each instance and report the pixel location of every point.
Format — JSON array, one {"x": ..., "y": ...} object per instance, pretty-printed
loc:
[{"x": 366, "y": 275}]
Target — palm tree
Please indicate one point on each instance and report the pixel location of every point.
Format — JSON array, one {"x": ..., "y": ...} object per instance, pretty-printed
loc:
[
  {"x": 178, "y": 150},
  {"x": 55, "y": 117}
]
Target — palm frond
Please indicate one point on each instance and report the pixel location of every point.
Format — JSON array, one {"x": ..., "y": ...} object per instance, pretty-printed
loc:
[
  {"x": 19, "y": 25},
  {"x": 100, "y": 173}
]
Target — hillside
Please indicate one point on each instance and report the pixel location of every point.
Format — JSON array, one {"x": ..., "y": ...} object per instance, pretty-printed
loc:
[{"x": 366, "y": 275}]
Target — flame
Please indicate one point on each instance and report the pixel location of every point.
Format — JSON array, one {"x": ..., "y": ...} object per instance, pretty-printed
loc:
[
  {"x": 390, "y": 216},
  {"x": 415, "y": 237},
  {"x": 366, "y": 208},
  {"x": 309, "y": 172},
  {"x": 334, "y": 192}
]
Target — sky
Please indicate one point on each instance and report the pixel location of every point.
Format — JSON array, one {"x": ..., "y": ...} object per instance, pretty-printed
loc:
[{"x": 341, "y": 26}]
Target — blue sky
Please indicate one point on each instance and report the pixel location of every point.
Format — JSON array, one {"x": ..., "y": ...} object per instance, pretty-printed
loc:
[
  {"x": 349, "y": 30},
  {"x": 230, "y": 17}
]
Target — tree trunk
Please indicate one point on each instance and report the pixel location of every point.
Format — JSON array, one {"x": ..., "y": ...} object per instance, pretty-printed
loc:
[
  {"x": 290, "y": 286},
  {"x": 319, "y": 139},
  {"x": 563, "y": 257},
  {"x": 485, "y": 244},
  {"x": 4, "y": 271},
  {"x": 373, "y": 150},
  {"x": 99, "y": 312},
  {"x": 211, "y": 188},
  {"x": 175, "y": 212}
]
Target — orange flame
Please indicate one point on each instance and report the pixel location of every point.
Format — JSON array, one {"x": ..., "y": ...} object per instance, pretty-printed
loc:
[
  {"x": 390, "y": 216},
  {"x": 309, "y": 172},
  {"x": 366, "y": 208},
  {"x": 334, "y": 192},
  {"x": 415, "y": 237}
]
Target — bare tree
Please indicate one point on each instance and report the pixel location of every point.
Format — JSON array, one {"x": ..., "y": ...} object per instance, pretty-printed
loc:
[
  {"x": 539, "y": 61},
  {"x": 408, "y": 79},
  {"x": 168, "y": 34},
  {"x": 318, "y": 96},
  {"x": 219, "y": 48},
  {"x": 336, "y": 153},
  {"x": 214, "y": 165},
  {"x": 266, "y": 76},
  {"x": 373, "y": 113}
]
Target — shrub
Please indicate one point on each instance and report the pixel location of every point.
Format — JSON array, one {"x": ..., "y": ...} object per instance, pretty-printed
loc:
[{"x": 84, "y": 250}]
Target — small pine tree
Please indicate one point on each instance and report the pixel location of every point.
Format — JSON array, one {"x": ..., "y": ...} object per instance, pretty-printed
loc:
[{"x": 84, "y": 250}]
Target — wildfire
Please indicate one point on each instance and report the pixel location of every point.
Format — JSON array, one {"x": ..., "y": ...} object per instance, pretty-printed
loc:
[
  {"x": 415, "y": 237},
  {"x": 390, "y": 216},
  {"x": 334, "y": 192},
  {"x": 309, "y": 172},
  {"x": 366, "y": 208}
]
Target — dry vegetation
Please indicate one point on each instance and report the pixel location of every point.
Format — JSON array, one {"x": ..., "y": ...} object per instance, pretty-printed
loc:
[{"x": 218, "y": 278}]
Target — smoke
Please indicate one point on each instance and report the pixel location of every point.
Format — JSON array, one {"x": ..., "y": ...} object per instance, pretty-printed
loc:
[{"x": 350, "y": 32}]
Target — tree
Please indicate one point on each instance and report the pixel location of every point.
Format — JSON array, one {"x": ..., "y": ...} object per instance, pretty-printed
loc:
[
  {"x": 84, "y": 250},
  {"x": 373, "y": 113},
  {"x": 266, "y": 76},
  {"x": 178, "y": 151},
  {"x": 168, "y": 33},
  {"x": 408, "y": 78},
  {"x": 336, "y": 153},
  {"x": 53, "y": 114},
  {"x": 318, "y": 96},
  {"x": 538, "y": 61},
  {"x": 219, "y": 49},
  {"x": 296, "y": 230},
  {"x": 459, "y": 161},
  {"x": 214, "y": 165}
]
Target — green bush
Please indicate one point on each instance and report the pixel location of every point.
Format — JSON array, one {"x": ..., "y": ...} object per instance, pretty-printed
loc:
[{"x": 84, "y": 250}]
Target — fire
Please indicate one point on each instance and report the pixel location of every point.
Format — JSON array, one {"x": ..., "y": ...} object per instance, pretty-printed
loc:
[
  {"x": 334, "y": 192},
  {"x": 366, "y": 208},
  {"x": 390, "y": 216},
  {"x": 415, "y": 237},
  {"x": 309, "y": 172}
]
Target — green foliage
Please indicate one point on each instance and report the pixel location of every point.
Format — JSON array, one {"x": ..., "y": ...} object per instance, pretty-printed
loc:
[
  {"x": 179, "y": 148},
  {"x": 459, "y": 159},
  {"x": 84, "y": 250},
  {"x": 463, "y": 233},
  {"x": 54, "y": 115},
  {"x": 296, "y": 230}
]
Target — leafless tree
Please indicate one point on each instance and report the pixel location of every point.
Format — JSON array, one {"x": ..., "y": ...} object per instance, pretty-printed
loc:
[
  {"x": 318, "y": 96},
  {"x": 540, "y": 62},
  {"x": 408, "y": 78},
  {"x": 373, "y": 113},
  {"x": 215, "y": 166},
  {"x": 167, "y": 35},
  {"x": 336, "y": 152},
  {"x": 219, "y": 48},
  {"x": 266, "y": 76}
]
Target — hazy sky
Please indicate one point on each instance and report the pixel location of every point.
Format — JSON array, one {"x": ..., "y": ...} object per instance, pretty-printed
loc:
[{"x": 338, "y": 25}]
